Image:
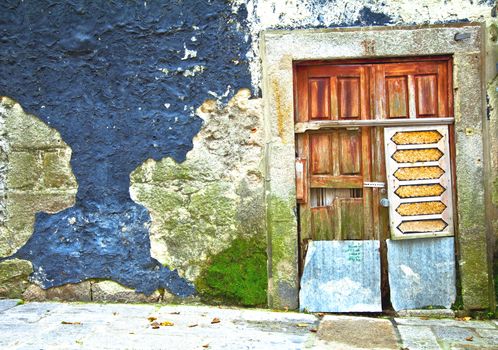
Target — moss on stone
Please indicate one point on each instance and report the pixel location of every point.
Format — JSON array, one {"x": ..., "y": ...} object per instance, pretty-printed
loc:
[
  {"x": 237, "y": 275},
  {"x": 14, "y": 277}
]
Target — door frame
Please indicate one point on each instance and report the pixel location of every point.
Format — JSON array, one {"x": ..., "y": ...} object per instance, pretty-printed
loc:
[{"x": 280, "y": 49}]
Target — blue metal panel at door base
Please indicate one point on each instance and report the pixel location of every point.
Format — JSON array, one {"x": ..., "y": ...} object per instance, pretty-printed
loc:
[{"x": 341, "y": 276}]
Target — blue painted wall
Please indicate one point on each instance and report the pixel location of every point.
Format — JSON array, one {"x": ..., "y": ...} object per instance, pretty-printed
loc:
[{"x": 91, "y": 69}]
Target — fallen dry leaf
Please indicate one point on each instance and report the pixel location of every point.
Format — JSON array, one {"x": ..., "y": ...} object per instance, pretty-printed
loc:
[
  {"x": 466, "y": 318},
  {"x": 175, "y": 313},
  {"x": 167, "y": 324},
  {"x": 115, "y": 313},
  {"x": 151, "y": 318},
  {"x": 313, "y": 330},
  {"x": 471, "y": 338},
  {"x": 66, "y": 322},
  {"x": 320, "y": 314},
  {"x": 215, "y": 320},
  {"x": 193, "y": 325},
  {"x": 302, "y": 325},
  {"x": 424, "y": 317},
  {"x": 155, "y": 325},
  {"x": 205, "y": 346}
]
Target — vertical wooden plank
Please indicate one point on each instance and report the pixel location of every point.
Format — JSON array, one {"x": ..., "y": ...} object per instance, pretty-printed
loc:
[
  {"x": 442, "y": 88},
  {"x": 412, "y": 98},
  {"x": 379, "y": 94},
  {"x": 336, "y": 167},
  {"x": 365, "y": 112},
  {"x": 305, "y": 222},
  {"x": 301, "y": 94},
  {"x": 366, "y": 158},
  {"x": 449, "y": 87},
  {"x": 319, "y": 98},
  {"x": 380, "y": 214},
  {"x": 334, "y": 105},
  {"x": 321, "y": 155}
]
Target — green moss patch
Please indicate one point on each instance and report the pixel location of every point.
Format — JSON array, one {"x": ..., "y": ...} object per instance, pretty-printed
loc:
[{"x": 237, "y": 275}]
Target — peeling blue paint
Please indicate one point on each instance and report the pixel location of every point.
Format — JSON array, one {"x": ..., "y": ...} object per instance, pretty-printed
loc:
[{"x": 93, "y": 71}]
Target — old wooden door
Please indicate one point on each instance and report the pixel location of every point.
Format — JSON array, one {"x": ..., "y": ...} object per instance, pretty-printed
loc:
[{"x": 342, "y": 109}]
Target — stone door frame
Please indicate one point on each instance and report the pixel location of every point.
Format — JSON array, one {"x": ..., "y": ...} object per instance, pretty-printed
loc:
[{"x": 280, "y": 49}]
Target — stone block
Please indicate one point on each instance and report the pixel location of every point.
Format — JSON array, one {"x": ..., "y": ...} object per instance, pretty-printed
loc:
[
  {"x": 434, "y": 313},
  {"x": 6, "y": 304},
  {"x": 109, "y": 291},
  {"x": 357, "y": 333},
  {"x": 421, "y": 272},
  {"x": 57, "y": 170},
  {"x": 418, "y": 337},
  {"x": 24, "y": 170},
  {"x": 14, "y": 277},
  {"x": 68, "y": 292},
  {"x": 341, "y": 276}
]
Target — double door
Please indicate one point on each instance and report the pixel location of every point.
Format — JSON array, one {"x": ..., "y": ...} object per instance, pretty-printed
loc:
[{"x": 343, "y": 189}]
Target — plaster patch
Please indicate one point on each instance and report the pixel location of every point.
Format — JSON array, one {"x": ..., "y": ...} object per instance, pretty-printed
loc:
[
  {"x": 199, "y": 207},
  {"x": 35, "y": 174}
]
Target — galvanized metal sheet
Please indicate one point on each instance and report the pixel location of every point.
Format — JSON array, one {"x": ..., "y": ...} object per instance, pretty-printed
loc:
[
  {"x": 421, "y": 272},
  {"x": 341, "y": 276}
]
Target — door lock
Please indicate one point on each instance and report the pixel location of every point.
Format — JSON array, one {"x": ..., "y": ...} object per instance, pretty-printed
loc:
[{"x": 384, "y": 202}]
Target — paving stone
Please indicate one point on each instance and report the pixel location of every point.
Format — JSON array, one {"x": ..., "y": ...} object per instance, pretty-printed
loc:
[
  {"x": 454, "y": 334},
  {"x": 413, "y": 321},
  {"x": 119, "y": 326},
  {"x": 16, "y": 334},
  {"x": 491, "y": 334},
  {"x": 435, "y": 313},
  {"x": 360, "y": 332},
  {"x": 418, "y": 337},
  {"x": 6, "y": 304}
]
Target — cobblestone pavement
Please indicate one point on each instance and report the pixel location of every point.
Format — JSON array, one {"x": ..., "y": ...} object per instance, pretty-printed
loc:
[{"x": 54, "y": 325}]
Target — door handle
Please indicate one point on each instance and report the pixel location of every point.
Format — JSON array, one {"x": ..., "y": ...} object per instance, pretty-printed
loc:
[{"x": 384, "y": 202}]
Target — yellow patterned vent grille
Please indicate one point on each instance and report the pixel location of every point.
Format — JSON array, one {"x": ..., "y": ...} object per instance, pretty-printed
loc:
[
  {"x": 417, "y": 155},
  {"x": 419, "y": 173},
  {"x": 416, "y": 137},
  {"x": 421, "y": 208}
]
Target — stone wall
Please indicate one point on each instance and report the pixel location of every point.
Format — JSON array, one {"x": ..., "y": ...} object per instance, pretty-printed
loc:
[
  {"x": 35, "y": 175},
  {"x": 136, "y": 170},
  {"x": 208, "y": 214}
]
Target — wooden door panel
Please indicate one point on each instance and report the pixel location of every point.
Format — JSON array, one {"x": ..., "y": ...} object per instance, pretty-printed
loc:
[
  {"x": 331, "y": 93},
  {"x": 397, "y": 97},
  {"x": 349, "y": 152},
  {"x": 321, "y": 154},
  {"x": 348, "y": 97},
  {"x": 351, "y": 214},
  {"x": 412, "y": 90},
  {"x": 426, "y": 95},
  {"x": 323, "y": 219},
  {"x": 319, "y": 98}
]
